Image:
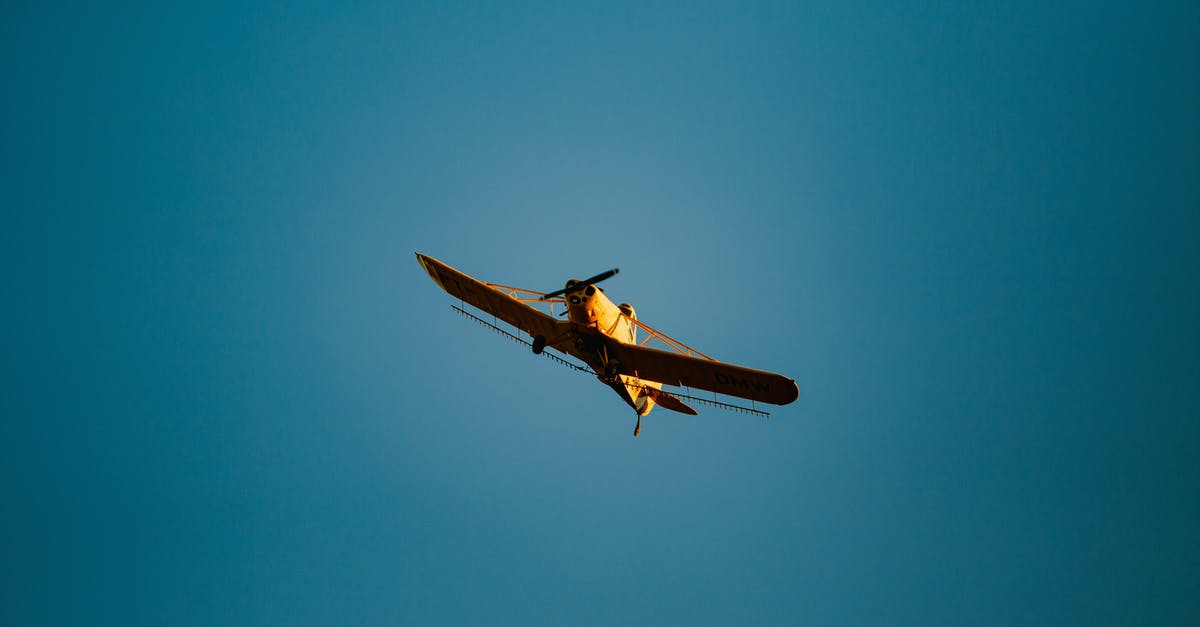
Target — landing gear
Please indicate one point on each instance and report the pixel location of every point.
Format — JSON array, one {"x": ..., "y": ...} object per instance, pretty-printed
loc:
[
  {"x": 611, "y": 370},
  {"x": 539, "y": 344},
  {"x": 638, "y": 429}
]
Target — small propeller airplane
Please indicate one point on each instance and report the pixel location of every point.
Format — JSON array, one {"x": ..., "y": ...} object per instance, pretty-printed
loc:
[{"x": 604, "y": 336}]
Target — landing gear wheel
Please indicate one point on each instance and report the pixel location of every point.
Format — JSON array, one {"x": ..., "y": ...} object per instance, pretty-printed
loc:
[{"x": 539, "y": 344}]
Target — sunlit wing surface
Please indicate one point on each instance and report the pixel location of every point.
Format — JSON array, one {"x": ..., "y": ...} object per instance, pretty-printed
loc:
[
  {"x": 694, "y": 372},
  {"x": 494, "y": 301}
]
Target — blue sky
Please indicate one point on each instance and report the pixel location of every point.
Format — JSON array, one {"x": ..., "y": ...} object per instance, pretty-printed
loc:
[{"x": 968, "y": 231}]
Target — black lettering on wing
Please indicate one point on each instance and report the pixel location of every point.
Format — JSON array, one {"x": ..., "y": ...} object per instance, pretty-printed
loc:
[{"x": 744, "y": 383}]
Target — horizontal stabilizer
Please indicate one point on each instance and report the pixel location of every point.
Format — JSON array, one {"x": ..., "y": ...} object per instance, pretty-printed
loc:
[{"x": 669, "y": 401}]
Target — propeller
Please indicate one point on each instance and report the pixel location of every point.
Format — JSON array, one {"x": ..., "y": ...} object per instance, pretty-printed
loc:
[{"x": 584, "y": 283}]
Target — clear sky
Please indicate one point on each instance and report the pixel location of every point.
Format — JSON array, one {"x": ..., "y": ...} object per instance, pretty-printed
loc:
[{"x": 969, "y": 231}]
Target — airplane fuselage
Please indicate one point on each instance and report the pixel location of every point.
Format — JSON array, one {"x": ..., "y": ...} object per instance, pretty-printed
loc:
[{"x": 590, "y": 308}]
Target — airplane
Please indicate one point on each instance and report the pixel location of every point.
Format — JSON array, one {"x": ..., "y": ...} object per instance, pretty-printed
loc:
[{"x": 603, "y": 335}]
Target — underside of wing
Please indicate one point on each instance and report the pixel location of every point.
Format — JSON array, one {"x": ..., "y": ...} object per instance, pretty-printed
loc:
[
  {"x": 504, "y": 305},
  {"x": 676, "y": 369}
]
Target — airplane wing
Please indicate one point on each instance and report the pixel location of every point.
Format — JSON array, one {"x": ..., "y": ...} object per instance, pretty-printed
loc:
[
  {"x": 705, "y": 374},
  {"x": 493, "y": 301}
]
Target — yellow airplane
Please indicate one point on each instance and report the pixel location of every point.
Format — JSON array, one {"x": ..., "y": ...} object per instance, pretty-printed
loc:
[{"x": 604, "y": 336}]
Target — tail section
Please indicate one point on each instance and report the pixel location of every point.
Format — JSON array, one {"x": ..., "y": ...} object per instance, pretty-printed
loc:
[
  {"x": 666, "y": 400},
  {"x": 643, "y": 395}
]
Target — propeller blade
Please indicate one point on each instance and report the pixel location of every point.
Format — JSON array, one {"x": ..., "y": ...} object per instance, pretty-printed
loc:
[{"x": 608, "y": 274}]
